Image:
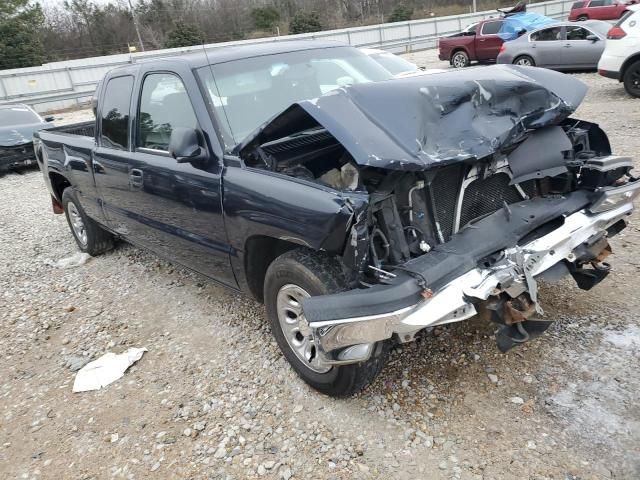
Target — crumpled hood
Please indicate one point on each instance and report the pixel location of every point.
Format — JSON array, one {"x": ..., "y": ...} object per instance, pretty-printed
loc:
[
  {"x": 415, "y": 123},
  {"x": 19, "y": 134}
]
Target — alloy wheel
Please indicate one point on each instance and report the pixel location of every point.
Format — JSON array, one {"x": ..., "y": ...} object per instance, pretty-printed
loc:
[
  {"x": 77, "y": 224},
  {"x": 295, "y": 327}
]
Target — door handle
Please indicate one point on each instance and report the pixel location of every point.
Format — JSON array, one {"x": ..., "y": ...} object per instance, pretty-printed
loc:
[{"x": 136, "y": 177}]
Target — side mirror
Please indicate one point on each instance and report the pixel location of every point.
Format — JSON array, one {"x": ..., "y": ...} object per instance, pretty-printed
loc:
[
  {"x": 49, "y": 119},
  {"x": 593, "y": 38},
  {"x": 184, "y": 145}
]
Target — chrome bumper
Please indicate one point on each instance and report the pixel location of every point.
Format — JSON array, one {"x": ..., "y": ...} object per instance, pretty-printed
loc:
[{"x": 352, "y": 340}]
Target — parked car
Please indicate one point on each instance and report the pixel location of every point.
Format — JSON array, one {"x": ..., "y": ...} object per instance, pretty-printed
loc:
[
  {"x": 482, "y": 41},
  {"x": 17, "y": 126},
  {"x": 621, "y": 57},
  {"x": 564, "y": 46},
  {"x": 598, "y": 10},
  {"x": 361, "y": 211}
]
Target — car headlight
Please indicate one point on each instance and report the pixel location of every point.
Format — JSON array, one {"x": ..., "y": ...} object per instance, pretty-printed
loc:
[{"x": 616, "y": 196}]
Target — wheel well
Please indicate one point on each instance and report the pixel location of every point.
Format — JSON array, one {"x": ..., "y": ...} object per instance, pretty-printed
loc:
[
  {"x": 627, "y": 63},
  {"x": 459, "y": 49},
  {"x": 259, "y": 252},
  {"x": 58, "y": 184}
]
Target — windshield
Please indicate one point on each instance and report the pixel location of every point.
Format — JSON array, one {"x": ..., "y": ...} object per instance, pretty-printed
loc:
[
  {"x": 14, "y": 116},
  {"x": 394, "y": 64},
  {"x": 248, "y": 92}
]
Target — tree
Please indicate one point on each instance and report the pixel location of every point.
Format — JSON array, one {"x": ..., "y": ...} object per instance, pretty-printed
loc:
[
  {"x": 20, "y": 44},
  {"x": 304, "y": 22},
  {"x": 265, "y": 18},
  {"x": 401, "y": 13},
  {"x": 184, "y": 35}
]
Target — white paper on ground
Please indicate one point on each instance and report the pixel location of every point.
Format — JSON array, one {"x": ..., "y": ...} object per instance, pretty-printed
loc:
[
  {"x": 72, "y": 261},
  {"x": 105, "y": 370}
]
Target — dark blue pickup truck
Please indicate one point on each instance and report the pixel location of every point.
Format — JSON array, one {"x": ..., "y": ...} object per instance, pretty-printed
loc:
[{"x": 359, "y": 208}]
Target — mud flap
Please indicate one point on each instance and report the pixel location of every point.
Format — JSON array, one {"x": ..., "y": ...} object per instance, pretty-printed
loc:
[{"x": 509, "y": 336}]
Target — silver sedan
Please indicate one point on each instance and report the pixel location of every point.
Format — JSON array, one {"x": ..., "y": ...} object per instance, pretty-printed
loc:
[{"x": 562, "y": 46}]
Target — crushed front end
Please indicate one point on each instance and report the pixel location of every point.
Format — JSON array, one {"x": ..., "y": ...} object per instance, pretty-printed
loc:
[{"x": 479, "y": 184}]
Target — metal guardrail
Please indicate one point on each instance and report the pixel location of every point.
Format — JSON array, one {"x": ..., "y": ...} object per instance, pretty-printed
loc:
[{"x": 63, "y": 84}]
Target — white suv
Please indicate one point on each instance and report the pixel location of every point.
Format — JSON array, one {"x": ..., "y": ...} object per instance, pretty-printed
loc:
[{"x": 621, "y": 57}]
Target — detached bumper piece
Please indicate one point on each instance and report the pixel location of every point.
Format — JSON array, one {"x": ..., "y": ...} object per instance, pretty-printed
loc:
[{"x": 492, "y": 262}]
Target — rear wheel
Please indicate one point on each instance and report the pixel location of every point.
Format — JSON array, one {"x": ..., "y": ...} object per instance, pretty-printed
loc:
[
  {"x": 582, "y": 18},
  {"x": 631, "y": 79},
  {"x": 90, "y": 237},
  {"x": 460, "y": 59},
  {"x": 290, "y": 279},
  {"x": 525, "y": 61}
]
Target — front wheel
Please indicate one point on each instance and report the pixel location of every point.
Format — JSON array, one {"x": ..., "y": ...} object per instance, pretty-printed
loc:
[
  {"x": 460, "y": 60},
  {"x": 90, "y": 237},
  {"x": 631, "y": 79},
  {"x": 582, "y": 18},
  {"x": 290, "y": 279},
  {"x": 525, "y": 61}
]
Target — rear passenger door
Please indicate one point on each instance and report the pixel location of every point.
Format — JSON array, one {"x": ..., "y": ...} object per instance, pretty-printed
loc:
[
  {"x": 177, "y": 206},
  {"x": 546, "y": 46},
  {"x": 488, "y": 42},
  {"x": 111, "y": 155}
]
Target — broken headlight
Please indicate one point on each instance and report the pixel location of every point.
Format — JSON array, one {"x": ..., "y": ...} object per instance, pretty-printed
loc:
[{"x": 613, "y": 197}]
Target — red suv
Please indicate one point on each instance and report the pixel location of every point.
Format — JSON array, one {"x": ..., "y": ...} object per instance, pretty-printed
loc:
[{"x": 598, "y": 10}]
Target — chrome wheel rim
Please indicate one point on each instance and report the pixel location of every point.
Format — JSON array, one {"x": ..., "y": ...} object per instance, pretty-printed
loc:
[
  {"x": 524, "y": 61},
  {"x": 77, "y": 224},
  {"x": 459, "y": 61},
  {"x": 295, "y": 327}
]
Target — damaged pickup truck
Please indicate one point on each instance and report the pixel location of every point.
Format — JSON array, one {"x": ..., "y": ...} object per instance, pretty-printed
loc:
[{"x": 360, "y": 209}]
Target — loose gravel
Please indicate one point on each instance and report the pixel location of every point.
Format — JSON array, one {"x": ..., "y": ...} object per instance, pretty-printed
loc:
[{"x": 214, "y": 398}]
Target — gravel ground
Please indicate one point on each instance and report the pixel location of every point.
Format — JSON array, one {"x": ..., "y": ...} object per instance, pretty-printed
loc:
[{"x": 214, "y": 398}]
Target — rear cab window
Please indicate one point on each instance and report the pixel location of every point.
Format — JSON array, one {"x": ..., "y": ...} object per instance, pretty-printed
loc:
[
  {"x": 491, "y": 28},
  {"x": 114, "y": 116}
]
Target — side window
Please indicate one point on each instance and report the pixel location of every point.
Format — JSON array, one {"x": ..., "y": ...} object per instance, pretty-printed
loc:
[
  {"x": 596, "y": 3},
  {"x": 577, "y": 33},
  {"x": 547, "y": 35},
  {"x": 577, "y": 5},
  {"x": 491, "y": 28},
  {"x": 115, "y": 113},
  {"x": 164, "y": 105}
]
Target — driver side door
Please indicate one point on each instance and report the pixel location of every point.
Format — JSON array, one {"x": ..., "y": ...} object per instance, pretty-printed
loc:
[{"x": 177, "y": 207}]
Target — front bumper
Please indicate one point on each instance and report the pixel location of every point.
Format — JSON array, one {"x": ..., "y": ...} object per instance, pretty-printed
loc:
[
  {"x": 352, "y": 339},
  {"x": 15, "y": 156}
]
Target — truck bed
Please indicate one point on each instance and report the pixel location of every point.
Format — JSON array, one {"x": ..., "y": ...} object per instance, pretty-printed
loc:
[{"x": 83, "y": 129}]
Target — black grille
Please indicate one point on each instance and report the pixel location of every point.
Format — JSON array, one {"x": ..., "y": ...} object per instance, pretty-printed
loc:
[
  {"x": 296, "y": 142},
  {"x": 445, "y": 188},
  {"x": 483, "y": 197}
]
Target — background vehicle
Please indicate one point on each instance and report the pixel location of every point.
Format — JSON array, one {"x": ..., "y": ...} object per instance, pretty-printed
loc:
[
  {"x": 17, "y": 126},
  {"x": 565, "y": 46},
  {"x": 359, "y": 207},
  {"x": 482, "y": 41},
  {"x": 597, "y": 10},
  {"x": 621, "y": 57}
]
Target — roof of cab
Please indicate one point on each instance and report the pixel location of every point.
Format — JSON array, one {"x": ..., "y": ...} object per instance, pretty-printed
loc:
[{"x": 237, "y": 52}]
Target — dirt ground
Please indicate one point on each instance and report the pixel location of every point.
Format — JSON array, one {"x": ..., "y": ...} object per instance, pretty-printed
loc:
[{"x": 213, "y": 397}]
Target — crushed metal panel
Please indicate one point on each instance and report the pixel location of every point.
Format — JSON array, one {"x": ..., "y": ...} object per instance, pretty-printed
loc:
[
  {"x": 416, "y": 123},
  {"x": 540, "y": 155}
]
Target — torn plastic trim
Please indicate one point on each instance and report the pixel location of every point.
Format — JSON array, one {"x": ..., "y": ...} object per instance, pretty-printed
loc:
[
  {"x": 416, "y": 123},
  {"x": 455, "y": 302}
]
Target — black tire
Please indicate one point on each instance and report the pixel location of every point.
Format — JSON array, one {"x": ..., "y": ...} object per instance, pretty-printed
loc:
[
  {"x": 582, "y": 18},
  {"x": 460, "y": 59},
  {"x": 96, "y": 239},
  {"x": 317, "y": 274},
  {"x": 631, "y": 79},
  {"x": 524, "y": 60}
]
